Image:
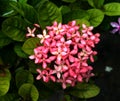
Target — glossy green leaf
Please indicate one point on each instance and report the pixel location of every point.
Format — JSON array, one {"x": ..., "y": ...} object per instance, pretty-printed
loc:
[
  {"x": 26, "y": 11},
  {"x": 96, "y": 3},
  {"x": 10, "y": 97},
  {"x": 75, "y": 14},
  {"x": 26, "y": 77},
  {"x": 15, "y": 28},
  {"x": 5, "y": 9},
  {"x": 30, "y": 44},
  {"x": 19, "y": 51},
  {"x": 96, "y": 17},
  {"x": 64, "y": 9},
  {"x": 28, "y": 92},
  {"x": 5, "y": 78},
  {"x": 4, "y": 40},
  {"x": 69, "y": 1},
  {"x": 112, "y": 9},
  {"x": 85, "y": 91},
  {"x": 48, "y": 12}
]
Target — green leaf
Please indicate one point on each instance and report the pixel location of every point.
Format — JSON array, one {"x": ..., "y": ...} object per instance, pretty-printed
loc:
[
  {"x": 96, "y": 17},
  {"x": 22, "y": 1},
  {"x": 26, "y": 11},
  {"x": 75, "y": 14},
  {"x": 96, "y": 3},
  {"x": 64, "y": 9},
  {"x": 4, "y": 40},
  {"x": 19, "y": 51},
  {"x": 10, "y": 97},
  {"x": 85, "y": 90},
  {"x": 48, "y": 13},
  {"x": 5, "y": 78},
  {"x": 14, "y": 28},
  {"x": 26, "y": 77},
  {"x": 112, "y": 9},
  {"x": 28, "y": 92},
  {"x": 69, "y": 1},
  {"x": 82, "y": 21},
  {"x": 5, "y": 9},
  {"x": 30, "y": 44}
]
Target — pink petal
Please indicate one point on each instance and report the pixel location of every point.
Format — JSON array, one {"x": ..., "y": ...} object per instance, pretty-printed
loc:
[
  {"x": 58, "y": 75},
  {"x": 45, "y": 79},
  {"x": 63, "y": 85},
  {"x": 71, "y": 58},
  {"x": 52, "y": 78},
  {"x": 32, "y": 56},
  {"x": 38, "y": 77},
  {"x": 79, "y": 78},
  {"x": 44, "y": 65}
]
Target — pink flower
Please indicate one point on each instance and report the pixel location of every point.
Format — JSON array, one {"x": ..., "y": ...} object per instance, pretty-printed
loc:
[
  {"x": 64, "y": 53},
  {"x": 46, "y": 75},
  {"x": 43, "y": 37},
  {"x": 30, "y": 32}
]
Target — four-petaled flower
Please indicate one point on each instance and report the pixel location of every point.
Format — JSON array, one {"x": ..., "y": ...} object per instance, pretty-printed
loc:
[{"x": 116, "y": 26}]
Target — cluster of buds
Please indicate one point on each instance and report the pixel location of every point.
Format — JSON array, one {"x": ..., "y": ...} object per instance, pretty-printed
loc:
[{"x": 64, "y": 53}]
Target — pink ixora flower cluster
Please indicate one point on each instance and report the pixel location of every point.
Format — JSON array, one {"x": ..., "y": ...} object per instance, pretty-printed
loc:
[{"x": 64, "y": 53}]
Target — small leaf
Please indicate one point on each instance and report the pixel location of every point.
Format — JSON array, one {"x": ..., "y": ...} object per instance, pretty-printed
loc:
[
  {"x": 69, "y": 1},
  {"x": 85, "y": 90},
  {"x": 26, "y": 77},
  {"x": 28, "y": 92},
  {"x": 14, "y": 28},
  {"x": 4, "y": 40},
  {"x": 49, "y": 14},
  {"x": 112, "y": 9},
  {"x": 19, "y": 51},
  {"x": 96, "y": 17},
  {"x": 30, "y": 44},
  {"x": 75, "y": 14},
  {"x": 5, "y": 78}
]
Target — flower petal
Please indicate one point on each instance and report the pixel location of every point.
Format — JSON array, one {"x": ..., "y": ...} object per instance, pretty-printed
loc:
[
  {"x": 114, "y": 31},
  {"x": 114, "y": 24}
]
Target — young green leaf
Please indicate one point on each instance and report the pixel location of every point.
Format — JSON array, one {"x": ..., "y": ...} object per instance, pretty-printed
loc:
[
  {"x": 5, "y": 78},
  {"x": 30, "y": 44},
  {"x": 112, "y": 9},
  {"x": 14, "y": 28},
  {"x": 28, "y": 92},
  {"x": 48, "y": 12},
  {"x": 96, "y": 17}
]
